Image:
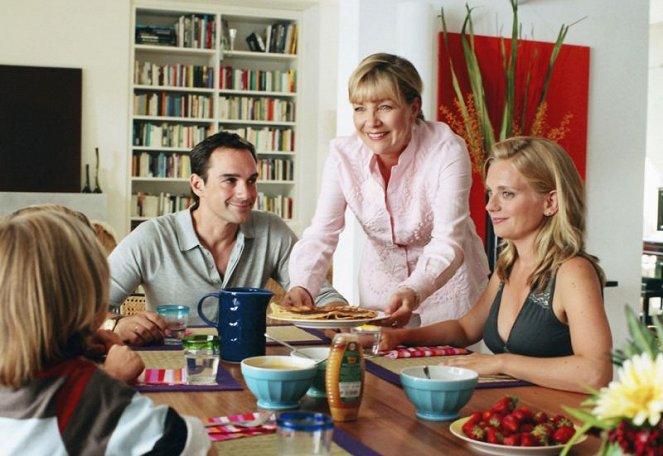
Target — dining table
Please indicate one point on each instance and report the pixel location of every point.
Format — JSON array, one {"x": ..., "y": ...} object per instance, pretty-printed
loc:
[{"x": 386, "y": 423}]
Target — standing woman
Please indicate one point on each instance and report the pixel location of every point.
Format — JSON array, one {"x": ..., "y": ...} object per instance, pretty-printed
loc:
[{"x": 407, "y": 182}]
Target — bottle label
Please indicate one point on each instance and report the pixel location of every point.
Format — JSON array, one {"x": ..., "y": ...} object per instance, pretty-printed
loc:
[{"x": 349, "y": 384}]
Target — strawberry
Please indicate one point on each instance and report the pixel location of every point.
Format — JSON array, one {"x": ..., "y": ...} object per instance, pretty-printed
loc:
[
  {"x": 476, "y": 433},
  {"x": 561, "y": 420},
  {"x": 493, "y": 435},
  {"x": 494, "y": 420},
  {"x": 543, "y": 433},
  {"x": 528, "y": 440},
  {"x": 523, "y": 414},
  {"x": 468, "y": 426},
  {"x": 475, "y": 416},
  {"x": 510, "y": 423},
  {"x": 563, "y": 433},
  {"x": 504, "y": 405},
  {"x": 511, "y": 440},
  {"x": 540, "y": 417},
  {"x": 526, "y": 427}
]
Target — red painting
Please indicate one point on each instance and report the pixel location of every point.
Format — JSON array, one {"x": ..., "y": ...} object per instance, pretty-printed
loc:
[{"x": 567, "y": 93}]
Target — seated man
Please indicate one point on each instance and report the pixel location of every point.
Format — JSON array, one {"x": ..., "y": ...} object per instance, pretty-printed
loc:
[{"x": 219, "y": 242}]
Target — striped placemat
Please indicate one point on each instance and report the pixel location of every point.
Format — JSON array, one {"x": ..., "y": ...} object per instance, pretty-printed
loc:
[
  {"x": 173, "y": 361},
  {"x": 389, "y": 369}
]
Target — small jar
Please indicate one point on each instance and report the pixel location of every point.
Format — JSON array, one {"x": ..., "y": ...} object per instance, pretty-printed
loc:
[
  {"x": 201, "y": 356},
  {"x": 304, "y": 433}
]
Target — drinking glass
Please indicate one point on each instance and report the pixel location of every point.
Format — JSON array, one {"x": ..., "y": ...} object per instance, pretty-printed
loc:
[
  {"x": 369, "y": 338},
  {"x": 177, "y": 318},
  {"x": 201, "y": 355},
  {"x": 304, "y": 433}
]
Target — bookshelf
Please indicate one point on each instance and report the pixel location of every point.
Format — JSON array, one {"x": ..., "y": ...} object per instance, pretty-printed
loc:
[{"x": 199, "y": 71}]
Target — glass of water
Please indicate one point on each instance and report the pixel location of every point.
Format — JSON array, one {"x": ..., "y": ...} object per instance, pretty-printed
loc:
[
  {"x": 201, "y": 355},
  {"x": 177, "y": 318}
]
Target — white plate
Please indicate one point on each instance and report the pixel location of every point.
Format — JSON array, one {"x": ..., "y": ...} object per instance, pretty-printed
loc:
[
  {"x": 329, "y": 324},
  {"x": 456, "y": 429}
]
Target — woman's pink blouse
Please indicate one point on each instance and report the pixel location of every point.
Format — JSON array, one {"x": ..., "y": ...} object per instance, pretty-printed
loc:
[{"x": 419, "y": 231}]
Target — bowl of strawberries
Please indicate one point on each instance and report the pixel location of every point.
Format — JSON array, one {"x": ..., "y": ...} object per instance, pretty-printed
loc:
[{"x": 507, "y": 428}]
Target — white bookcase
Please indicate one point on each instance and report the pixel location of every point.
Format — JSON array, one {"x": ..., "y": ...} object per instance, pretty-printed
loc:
[{"x": 188, "y": 82}]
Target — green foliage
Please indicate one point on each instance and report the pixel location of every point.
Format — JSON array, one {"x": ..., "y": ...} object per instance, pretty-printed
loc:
[
  {"x": 510, "y": 114},
  {"x": 642, "y": 339}
]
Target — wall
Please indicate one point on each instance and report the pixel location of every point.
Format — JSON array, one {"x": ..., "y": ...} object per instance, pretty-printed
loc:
[
  {"x": 654, "y": 158},
  {"x": 618, "y": 36},
  {"x": 92, "y": 35}
]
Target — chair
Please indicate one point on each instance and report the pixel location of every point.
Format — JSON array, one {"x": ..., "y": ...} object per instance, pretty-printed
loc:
[
  {"x": 650, "y": 288},
  {"x": 134, "y": 304}
]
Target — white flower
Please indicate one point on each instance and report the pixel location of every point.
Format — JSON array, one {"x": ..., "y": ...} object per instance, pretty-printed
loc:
[{"x": 637, "y": 395}]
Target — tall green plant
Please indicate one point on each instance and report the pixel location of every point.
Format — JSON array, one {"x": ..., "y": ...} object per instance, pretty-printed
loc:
[{"x": 485, "y": 134}]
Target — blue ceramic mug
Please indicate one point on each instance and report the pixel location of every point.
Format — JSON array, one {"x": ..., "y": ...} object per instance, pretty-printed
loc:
[{"x": 241, "y": 322}]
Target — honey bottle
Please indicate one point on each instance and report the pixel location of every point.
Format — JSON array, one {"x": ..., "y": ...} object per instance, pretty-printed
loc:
[{"x": 344, "y": 378}]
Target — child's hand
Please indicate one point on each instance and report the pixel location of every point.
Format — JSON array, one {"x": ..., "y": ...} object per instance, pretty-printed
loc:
[{"x": 123, "y": 363}]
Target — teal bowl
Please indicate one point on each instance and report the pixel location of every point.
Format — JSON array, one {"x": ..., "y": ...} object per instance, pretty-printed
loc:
[
  {"x": 441, "y": 397},
  {"x": 278, "y": 382},
  {"x": 317, "y": 389}
]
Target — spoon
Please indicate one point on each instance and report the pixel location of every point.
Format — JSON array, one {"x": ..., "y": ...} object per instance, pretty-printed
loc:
[
  {"x": 426, "y": 372},
  {"x": 293, "y": 349}
]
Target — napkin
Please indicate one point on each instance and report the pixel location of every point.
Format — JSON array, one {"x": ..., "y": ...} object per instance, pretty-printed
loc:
[
  {"x": 162, "y": 377},
  {"x": 419, "y": 352},
  {"x": 222, "y": 428}
]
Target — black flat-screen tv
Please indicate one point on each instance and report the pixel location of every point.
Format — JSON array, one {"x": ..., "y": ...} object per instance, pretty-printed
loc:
[{"x": 40, "y": 129}]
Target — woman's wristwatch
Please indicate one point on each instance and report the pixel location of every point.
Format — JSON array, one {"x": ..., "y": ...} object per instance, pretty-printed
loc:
[{"x": 111, "y": 323}]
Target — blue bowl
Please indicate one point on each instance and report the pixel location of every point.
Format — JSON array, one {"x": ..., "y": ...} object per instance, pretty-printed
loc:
[
  {"x": 318, "y": 388},
  {"x": 278, "y": 382},
  {"x": 441, "y": 397}
]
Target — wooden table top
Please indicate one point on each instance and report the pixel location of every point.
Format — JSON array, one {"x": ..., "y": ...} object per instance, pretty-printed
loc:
[{"x": 387, "y": 422}]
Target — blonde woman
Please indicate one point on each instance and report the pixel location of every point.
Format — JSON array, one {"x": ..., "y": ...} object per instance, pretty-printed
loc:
[
  {"x": 407, "y": 182},
  {"x": 542, "y": 313},
  {"x": 54, "y": 295}
]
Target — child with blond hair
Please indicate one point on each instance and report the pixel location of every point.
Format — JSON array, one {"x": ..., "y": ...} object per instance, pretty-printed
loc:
[{"x": 53, "y": 400}]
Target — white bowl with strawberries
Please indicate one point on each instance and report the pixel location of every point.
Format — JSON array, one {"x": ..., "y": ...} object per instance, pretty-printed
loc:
[{"x": 509, "y": 429}]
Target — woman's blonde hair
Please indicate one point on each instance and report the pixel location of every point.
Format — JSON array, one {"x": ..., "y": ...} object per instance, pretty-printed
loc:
[
  {"x": 55, "y": 281},
  {"x": 546, "y": 167},
  {"x": 385, "y": 76}
]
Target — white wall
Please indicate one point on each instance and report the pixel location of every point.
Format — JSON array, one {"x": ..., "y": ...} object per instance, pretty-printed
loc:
[
  {"x": 92, "y": 35},
  {"x": 654, "y": 158},
  {"x": 617, "y": 33}
]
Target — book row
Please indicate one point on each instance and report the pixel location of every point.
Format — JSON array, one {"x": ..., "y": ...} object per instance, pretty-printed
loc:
[
  {"x": 259, "y": 80},
  {"x": 175, "y": 75},
  {"x": 147, "y": 205},
  {"x": 251, "y": 108},
  {"x": 173, "y": 105},
  {"x": 152, "y": 164},
  {"x": 268, "y": 139},
  {"x": 197, "y": 31},
  {"x": 280, "y": 38},
  {"x": 271, "y": 169},
  {"x": 149, "y": 134},
  {"x": 280, "y": 205}
]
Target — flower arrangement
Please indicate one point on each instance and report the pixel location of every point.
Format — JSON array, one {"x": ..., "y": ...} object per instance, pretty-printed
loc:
[
  {"x": 469, "y": 116},
  {"x": 628, "y": 411}
]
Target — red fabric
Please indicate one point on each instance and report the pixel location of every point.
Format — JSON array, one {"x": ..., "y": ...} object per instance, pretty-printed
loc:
[
  {"x": 77, "y": 374},
  {"x": 568, "y": 92}
]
